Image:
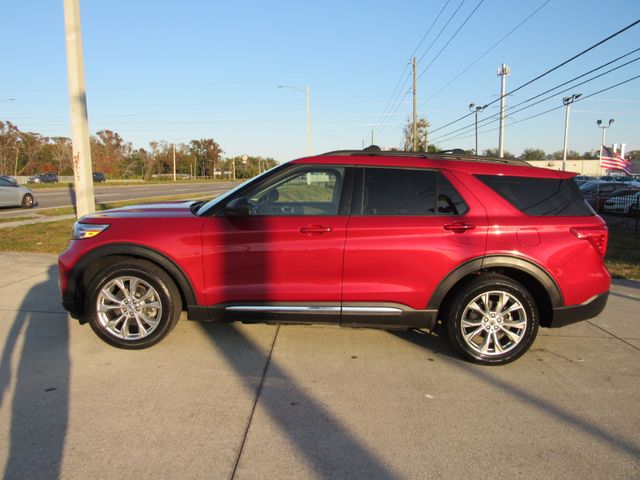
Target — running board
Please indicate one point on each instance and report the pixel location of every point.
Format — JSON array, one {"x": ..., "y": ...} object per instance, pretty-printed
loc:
[{"x": 385, "y": 315}]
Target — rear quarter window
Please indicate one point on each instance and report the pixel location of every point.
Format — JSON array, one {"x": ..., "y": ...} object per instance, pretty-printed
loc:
[{"x": 540, "y": 197}]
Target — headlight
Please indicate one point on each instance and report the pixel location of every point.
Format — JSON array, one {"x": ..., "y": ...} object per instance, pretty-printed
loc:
[{"x": 86, "y": 230}]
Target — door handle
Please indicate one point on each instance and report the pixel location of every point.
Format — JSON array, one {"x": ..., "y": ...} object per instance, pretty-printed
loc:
[
  {"x": 315, "y": 229},
  {"x": 458, "y": 227}
]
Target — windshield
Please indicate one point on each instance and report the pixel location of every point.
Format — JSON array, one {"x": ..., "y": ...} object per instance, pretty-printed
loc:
[{"x": 206, "y": 206}]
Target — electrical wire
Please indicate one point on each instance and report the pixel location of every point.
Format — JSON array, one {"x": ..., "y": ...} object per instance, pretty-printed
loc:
[
  {"x": 463, "y": 71},
  {"x": 394, "y": 96},
  {"x": 465, "y": 135},
  {"x": 451, "y": 38},
  {"x": 511, "y": 111}
]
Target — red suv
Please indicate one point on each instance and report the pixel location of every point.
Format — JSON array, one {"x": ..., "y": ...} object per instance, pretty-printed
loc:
[{"x": 487, "y": 248}]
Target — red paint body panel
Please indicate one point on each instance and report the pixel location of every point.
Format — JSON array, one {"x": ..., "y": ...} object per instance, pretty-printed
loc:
[{"x": 268, "y": 259}]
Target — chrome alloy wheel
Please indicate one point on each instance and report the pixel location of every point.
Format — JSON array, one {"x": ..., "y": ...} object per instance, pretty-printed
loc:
[
  {"x": 493, "y": 323},
  {"x": 128, "y": 308}
]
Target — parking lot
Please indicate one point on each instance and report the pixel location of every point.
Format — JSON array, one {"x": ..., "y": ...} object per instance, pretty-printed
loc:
[{"x": 260, "y": 401}]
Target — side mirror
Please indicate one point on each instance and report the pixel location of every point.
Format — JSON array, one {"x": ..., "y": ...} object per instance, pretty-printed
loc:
[{"x": 237, "y": 208}]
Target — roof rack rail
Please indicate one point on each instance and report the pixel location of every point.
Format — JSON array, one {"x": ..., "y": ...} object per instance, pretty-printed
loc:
[{"x": 455, "y": 154}]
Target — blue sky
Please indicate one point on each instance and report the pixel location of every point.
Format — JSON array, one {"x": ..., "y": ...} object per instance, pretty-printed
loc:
[{"x": 197, "y": 69}]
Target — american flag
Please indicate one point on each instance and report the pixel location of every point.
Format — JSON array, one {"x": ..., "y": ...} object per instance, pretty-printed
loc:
[{"x": 612, "y": 161}]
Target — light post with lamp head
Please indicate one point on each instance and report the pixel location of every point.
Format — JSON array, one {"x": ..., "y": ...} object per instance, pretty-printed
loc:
[
  {"x": 477, "y": 109},
  {"x": 308, "y": 94},
  {"x": 567, "y": 101}
]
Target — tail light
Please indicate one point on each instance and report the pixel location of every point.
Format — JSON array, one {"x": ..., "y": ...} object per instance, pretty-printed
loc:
[{"x": 597, "y": 236}]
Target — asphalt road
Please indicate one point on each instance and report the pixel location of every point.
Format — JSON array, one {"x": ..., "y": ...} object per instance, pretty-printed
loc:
[
  {"x": 61, "y": 197},
  {"x": 238, "y": 401}
]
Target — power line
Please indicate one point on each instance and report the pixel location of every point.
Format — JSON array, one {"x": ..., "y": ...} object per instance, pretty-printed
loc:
[
  {"x": 390, "y": 103},
  {"x": 442, "y": 30},
  {"x": 511, "y": 111},
  {"x": 452, "y": 37},
  {"x": 451, "y": 17},
  {"x": 462, "y": 136},
  {"x": 595, "y": 45},
  {"x": 462, "y": 72}
]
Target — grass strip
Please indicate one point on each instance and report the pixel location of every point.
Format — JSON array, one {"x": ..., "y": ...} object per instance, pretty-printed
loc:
[
  {"x": 623, "y": 255},
  {"x": 15, "y": 219},
  {"x": 54, "y": 212}
]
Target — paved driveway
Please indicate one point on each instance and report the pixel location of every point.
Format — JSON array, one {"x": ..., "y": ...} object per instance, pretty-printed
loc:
[{"x": 266, "y": 402}]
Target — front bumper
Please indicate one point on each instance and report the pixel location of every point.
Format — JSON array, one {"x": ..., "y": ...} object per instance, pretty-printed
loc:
[{"x": 576, "y": 313}]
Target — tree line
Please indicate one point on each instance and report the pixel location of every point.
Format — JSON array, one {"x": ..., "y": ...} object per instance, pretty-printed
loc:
[
  {"x": 28, "y": 153},
  {"x": 528, "y": 154}
]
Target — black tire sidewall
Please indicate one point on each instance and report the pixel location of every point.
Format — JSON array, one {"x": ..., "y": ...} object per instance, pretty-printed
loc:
[
  {"x": 158, "y": 279},
  {"x": 472, "y": 290},
  {"x": 23, "y": 204}
]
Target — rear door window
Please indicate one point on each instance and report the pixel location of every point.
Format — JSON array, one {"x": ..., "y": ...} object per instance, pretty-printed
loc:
[{"x": 396, "y": 191}]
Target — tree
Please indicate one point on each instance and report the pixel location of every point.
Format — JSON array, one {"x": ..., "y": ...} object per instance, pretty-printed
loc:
[
  {"x": 532, "y": 154},
  {"x": 9, "y": 135},
  {"x": 206, "y": 153},
  {"x": 493, "y": 152},
  {"x": 407, "y": 133}
]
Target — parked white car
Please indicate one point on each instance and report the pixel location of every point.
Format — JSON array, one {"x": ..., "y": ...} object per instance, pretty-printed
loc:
[
  {"x": 628, "y": 204},
  {"x": 14, "y": 195}
]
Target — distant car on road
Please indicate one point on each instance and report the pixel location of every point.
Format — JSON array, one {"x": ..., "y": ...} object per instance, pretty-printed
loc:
[
  {"x": 99, "y": 177},
  {"x": 43, "y": 178},
  {"x": 13, "y": 195}
]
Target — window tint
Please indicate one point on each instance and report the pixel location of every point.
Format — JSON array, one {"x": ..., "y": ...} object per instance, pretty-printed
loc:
[
  {"x": 390, "y": 191},
  {"x": 6, "y": 183},
  {"x": 540, "y": 196},
  {"x": 312, "y": 192}
]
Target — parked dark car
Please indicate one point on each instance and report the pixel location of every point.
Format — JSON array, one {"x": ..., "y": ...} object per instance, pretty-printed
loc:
[
  {"x": 43, "y": 178},
  {"x": 486, "y": 249},
  {"x": 99, "y": 177}
]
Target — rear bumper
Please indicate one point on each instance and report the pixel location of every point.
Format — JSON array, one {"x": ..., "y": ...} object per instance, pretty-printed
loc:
[{"x": 576, "y": 313}]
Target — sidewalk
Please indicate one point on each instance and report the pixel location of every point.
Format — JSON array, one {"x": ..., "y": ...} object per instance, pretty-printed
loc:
[{"x": 238, "y": 401}]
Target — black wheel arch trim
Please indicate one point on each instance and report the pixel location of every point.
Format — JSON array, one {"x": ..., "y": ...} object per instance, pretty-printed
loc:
[
  {"x": 497, "y": 261},
  {"x": 75, "y": 305}
]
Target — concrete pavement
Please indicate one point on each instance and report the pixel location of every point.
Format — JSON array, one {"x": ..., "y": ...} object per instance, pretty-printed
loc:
[{"x": 308, "y": 402}]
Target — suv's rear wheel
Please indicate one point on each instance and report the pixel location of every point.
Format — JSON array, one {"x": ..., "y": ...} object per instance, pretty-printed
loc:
[
  {"x": 133, "y": 304},
  {"x": 493, "y": 320}
]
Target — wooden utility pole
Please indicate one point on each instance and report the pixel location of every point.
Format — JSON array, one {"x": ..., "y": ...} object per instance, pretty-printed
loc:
[
  {"x": 415, "y": 111},
  {"x": 82, "y": 171}
]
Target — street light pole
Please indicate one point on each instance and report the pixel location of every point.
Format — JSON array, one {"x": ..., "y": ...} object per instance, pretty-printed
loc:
[
  {"x": 307, "y": 91},
  {"x": 477, "y": 109},
  {"x": 604, "y": 129},
  {"x": 567, "y": 101}
]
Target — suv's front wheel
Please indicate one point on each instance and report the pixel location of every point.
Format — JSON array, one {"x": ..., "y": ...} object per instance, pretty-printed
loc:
[
  {"x": 133, "y": 304},
  {"x": 493, "y": 320}
]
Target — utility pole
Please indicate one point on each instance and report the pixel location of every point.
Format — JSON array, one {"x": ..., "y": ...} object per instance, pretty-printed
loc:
[
  {"x": 503, "y": 72},
  {"x": 372, "y": 137},
  {"x": 567, "y": 101},
  {"x": 82, "y": 171},
  {"x": 415, "y": 112},
  {"x": 174, "y": 161}
]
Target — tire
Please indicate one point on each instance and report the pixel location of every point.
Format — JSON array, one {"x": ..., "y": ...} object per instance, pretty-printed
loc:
[
  {"x": 493, "y": 320},
  {"x": 27, "y": 201},
  {"x": 133, "y": 304}
]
